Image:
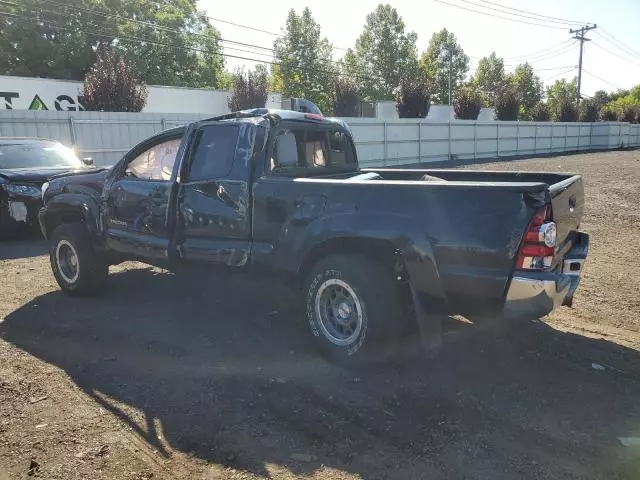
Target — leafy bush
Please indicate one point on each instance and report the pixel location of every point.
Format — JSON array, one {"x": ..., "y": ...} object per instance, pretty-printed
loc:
[
  {"x": 507, "y": 105},
  {"x": 249, "y": 89},
  {"x": 588, "y": 111},
  {"x": 467, "y": 104},
  {"x": 540, "y": 112},
  {"x": 567, "y": 111},
  {"x": 628, "y": 114},
  {"x": 345, "y": 97},
  {"x": 111, "y": 86},
  {"x": 413, "y": 98},
  {"x": 608, "y": 114}
]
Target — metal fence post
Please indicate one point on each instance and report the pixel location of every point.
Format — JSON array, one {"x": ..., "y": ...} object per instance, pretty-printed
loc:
[
  {"x": 566, "y": 132},
  {"x": 498, "y": 140},
  {"x": 518, "y": 138},
  {"x": 72, "y": 133},
  {"x": 419, "y": 141},
  {"x": 384, "y": 126},
  {"x": 535, "y": 139},
  {"x": 475, "y": 140},
  {"x": 449, "y": 143},
  {"x": 163, "y": 124}
]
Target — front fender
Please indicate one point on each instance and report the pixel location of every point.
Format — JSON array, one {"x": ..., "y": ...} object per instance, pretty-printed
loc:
[{"x": 70, "y": 207}]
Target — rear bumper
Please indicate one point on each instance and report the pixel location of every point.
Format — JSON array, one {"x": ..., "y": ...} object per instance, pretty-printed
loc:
[{"x": 536, "y": 294}]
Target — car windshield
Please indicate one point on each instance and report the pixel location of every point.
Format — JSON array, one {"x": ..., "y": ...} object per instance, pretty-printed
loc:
[{"x": 37, "y": 154}]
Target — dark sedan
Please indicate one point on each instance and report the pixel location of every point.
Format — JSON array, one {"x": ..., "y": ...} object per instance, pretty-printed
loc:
[{"x": 26, "y": 164}]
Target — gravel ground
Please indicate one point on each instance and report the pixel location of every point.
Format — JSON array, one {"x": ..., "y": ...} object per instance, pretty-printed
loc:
[{"x": 185, "y": 379}]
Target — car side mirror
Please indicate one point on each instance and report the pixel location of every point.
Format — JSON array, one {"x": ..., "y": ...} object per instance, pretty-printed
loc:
[{"x": 88, "y": 161}]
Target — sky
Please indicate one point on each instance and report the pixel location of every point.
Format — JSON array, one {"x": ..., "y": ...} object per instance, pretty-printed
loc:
[{"x": 608, "y": 63}]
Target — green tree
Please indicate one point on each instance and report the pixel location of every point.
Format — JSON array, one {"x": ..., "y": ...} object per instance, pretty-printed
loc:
[
  {"x": 490, "y": 77},
  {"x": 172, "y": 43},
  {"x": 181, "y": 47},
  {"x": 304, "y": 66},
  {"x": 600, "y": 99},
  {"x": 383, "y": 53},
  {"x": 559, "y": 95},
  {"x": 507, "y": 104},
  {"x": 446, "y": 63},
  {"x": 33, "y": 44},
  {"x": 528, "y": 87}
]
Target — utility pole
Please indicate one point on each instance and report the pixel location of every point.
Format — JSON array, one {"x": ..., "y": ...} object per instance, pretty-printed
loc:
[{"x": 580, "y": 36}]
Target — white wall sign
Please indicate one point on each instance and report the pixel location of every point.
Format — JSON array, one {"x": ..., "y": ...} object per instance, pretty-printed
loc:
[{"x": 23, "y": 93}]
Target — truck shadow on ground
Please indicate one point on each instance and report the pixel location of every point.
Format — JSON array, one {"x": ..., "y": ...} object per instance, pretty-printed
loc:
[{"x": 229, "y": 371}]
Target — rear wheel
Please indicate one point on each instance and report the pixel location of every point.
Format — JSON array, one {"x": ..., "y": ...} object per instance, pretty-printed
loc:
[
  {"x": 77, "y": 267},
  {"x": 353, "y": 309}
]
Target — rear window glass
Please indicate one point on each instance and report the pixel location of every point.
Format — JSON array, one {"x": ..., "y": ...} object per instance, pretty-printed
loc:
[
  {"x": 214, "y": 152},
  {"x": 311, "y": 148}
]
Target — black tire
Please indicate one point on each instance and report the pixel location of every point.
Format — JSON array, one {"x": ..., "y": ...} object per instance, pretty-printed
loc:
[
  {"x": 88, "y": 273},
  {"x": 366, "y": 299}
]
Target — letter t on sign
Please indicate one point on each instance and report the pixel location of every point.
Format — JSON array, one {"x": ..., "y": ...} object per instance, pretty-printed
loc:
[{"x": 8, "y": 99}]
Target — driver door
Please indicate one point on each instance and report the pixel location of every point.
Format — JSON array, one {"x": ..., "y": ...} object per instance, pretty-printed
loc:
[{"x": 138, "y": 199}]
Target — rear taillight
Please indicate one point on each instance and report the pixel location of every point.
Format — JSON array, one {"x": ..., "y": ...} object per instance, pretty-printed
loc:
[{"x": 539, "y": 242}]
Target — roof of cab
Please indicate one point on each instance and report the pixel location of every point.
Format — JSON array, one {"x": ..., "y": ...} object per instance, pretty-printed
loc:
[{"x": 279, "y": 114}]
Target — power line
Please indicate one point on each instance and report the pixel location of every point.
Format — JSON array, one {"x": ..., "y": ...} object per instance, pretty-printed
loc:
[
  {"x": 564, "y": 20},
  {"x": 619, "y": 45},
  {"x": 635, "y": 62},
  {"x": 558, "y": 74},
  {"x": 176, "y": 47},
  {"x": 498, "y": 16},
  {"x": 247, "y": 27},
  {"x": 168, "y": 29},
  {"x": 602, "y": 79},
  {"x": 539, "y": 52},
  {"x": 501, "y": 10},
  {"x": 571, "y": 67}
]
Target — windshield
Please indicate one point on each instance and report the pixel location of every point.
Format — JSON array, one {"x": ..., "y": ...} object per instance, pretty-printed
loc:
[{"x": 37, "y": 154}]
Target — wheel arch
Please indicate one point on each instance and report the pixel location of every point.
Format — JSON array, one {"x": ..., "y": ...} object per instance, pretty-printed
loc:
[{"x": 69, "y": 209}]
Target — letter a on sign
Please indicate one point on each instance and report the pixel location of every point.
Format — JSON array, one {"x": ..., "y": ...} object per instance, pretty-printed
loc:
[{"x": 37, "y": 104}]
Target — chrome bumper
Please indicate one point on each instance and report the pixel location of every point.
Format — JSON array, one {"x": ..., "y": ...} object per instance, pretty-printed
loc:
[{"x": 535, "y": 294}]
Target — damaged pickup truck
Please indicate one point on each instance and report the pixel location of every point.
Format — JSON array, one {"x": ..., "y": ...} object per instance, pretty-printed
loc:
[
  {"x": 25, "y": 164},
  {"x": 374, "y": 252}
]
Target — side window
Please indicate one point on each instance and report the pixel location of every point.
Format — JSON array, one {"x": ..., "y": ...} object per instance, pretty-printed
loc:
[
  {"x": 155, "y": 163},
  {"x": 341, "y": 149},
  {"x": 215, "y": 148}
]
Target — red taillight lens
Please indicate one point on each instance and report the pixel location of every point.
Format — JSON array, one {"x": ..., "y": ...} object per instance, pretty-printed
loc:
[{"x": 538, "y": 243}]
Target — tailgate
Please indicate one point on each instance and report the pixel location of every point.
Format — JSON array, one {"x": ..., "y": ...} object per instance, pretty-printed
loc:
[{"x": 567, "y": 200}]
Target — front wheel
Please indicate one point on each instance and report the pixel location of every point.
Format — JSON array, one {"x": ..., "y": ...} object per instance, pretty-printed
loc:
[
  {"x": 353, "y": 309},
  {"x": 77, "y": 267}
]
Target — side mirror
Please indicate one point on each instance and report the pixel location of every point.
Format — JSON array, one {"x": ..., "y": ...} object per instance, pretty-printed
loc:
[{"x": 88, "y": 161}]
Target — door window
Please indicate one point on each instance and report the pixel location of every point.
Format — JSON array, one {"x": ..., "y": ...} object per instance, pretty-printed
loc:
[
  {"x": 214, "y": 152},
  {"x": 155, "y": 163}
]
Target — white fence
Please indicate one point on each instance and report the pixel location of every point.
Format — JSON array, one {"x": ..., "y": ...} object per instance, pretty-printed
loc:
[{"x": 107, "y": 136}]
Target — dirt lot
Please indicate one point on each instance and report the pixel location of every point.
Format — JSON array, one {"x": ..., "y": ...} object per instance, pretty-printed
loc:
[{"x": 217, "y": 379}]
